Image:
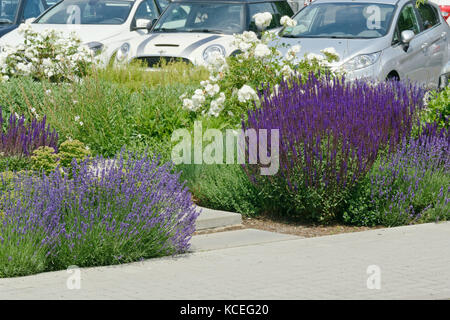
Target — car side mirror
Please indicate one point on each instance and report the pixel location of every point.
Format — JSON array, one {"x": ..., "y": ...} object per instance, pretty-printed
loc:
[
  {"x": 406, "y": 37},
  {"x": 143, "y": 24}
]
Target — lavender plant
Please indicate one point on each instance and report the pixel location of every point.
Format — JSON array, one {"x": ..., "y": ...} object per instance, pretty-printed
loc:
[
  {"x": 410, "y": 185},
  {"x": 109, "y": 213},
  {"x": 22, "y": 138},
  {"x": 331, "y": 133}
]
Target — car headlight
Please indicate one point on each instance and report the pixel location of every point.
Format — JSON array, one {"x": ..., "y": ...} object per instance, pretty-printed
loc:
[
  {"x": 212, "y": 51},
  {"x": 123, "y": 51},
  {"x": 361, "y": 61},
  {"x": 95, "y": 47}
]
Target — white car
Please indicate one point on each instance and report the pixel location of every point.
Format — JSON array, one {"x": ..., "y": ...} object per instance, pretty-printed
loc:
[
  {"x": 103, "y": 25},
  {"x": 190, "y": 30}
]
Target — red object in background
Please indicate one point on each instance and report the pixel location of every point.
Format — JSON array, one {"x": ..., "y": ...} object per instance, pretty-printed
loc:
[{"x": 446, "y": 12}]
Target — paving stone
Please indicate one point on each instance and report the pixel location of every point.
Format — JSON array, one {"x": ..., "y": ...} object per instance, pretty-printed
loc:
[{"x": 414, "y": 263}]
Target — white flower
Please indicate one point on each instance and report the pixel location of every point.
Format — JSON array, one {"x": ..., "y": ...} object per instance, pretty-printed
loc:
[
  {"x": 81, "y": 123},
  {"x": 250, "y": 37},
  {"x": 216, "y": 60},
  {"x": 288, "y": 22},
  {"x": 246, "y": 93},
  {"x": 212, "y": 89},
  {"x": 262, "y": 20},
  {"x": 23, "y": 28},
  {"x": 292, "y": 52},
  {"x": 188, "y": 104},
  {"x": 287, "y": 71},
  {"x": 244, "y": 46},
  {"x": 217, "y": 105},
  {"x": 77, "y": 118},
  {"x": 262, "y": 50},
  {"x": 330, "y": 50},
  {"x": 313, "y": 56},
  {"x": 25, "y": 68},
  {"x": 198, "y": 98}
]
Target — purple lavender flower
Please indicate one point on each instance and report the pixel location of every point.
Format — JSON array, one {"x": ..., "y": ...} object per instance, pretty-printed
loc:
[{"x": 131, "y": 209}]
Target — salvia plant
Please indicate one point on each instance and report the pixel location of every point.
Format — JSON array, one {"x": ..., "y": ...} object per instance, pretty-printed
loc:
[
  {"x": 110, "y": 212},
  {"x": 21, "y": 138},
  {"x": 331, "y": 133}
]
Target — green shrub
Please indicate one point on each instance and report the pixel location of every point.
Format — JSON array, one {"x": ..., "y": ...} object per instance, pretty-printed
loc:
[
  {"x": 72, "y": 149},
  {"x": 222, "y": 187},
  {"x": 14, "y": 163},
  {"x": 438, "y": 108},
  {"x": 44, "y": 159}
]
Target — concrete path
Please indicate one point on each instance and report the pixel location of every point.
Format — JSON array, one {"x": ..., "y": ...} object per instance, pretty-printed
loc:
[{"x": 405, "y": 263}]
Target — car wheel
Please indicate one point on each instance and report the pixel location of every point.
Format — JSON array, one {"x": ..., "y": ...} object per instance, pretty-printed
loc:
[{"x": 393, "y": 76}]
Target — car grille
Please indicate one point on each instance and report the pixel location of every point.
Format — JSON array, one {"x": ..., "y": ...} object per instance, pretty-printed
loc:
[{"x": 152, "y": 62}]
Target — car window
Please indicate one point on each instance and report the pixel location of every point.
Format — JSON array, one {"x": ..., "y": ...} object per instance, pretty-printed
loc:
[
  {"x": 163, "y": 4},
  {"x": 342, "y": 20},
  {"x": 32, "y": 9},
  {"x": 202, "y": 17},
  {"x": 407, "y": 20},
  {"x": 282, "y": 8},
  {"x": 88, "y": 12},
  {"x": 8, "y": 9},
  {"x": 428, "y": 15},
  {"x": 146, "y": 10}
]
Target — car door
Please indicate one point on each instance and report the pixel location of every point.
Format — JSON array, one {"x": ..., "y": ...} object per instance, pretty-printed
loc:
[
  {"x": 409, "y": 60},
  {"x": 436, "y": 31}
]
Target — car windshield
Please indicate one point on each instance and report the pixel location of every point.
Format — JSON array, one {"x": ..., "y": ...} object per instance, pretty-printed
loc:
[
  {"x": 215, "y": 17},
  {"x": 8, "y": 11},
  {"x": 88, "y": 12},
  {"x": 342, "y": 20}
]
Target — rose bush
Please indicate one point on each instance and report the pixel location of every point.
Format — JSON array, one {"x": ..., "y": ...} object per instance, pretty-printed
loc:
[{"x": 46, "y": 55}]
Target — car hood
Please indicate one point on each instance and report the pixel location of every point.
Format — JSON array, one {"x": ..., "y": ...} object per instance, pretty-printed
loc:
[
  {"x": 346, "y": 48},
  {"x": 4, "y": 29},
  {"x": 87, "y": 33},
  {"x": 178, "y": 44}
]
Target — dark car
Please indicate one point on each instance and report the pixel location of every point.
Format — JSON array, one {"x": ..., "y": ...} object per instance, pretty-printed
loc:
[{"x": 15, "y": 12}]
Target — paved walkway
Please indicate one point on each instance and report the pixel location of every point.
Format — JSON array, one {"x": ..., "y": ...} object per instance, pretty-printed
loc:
[{"x": 413, "y": 262}]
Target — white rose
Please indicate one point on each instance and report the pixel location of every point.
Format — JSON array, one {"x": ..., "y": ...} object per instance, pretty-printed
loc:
[
  {"x": 198, "y": 99},
  {"x": 249, "y": 36},
  {"x": 188, "y": 104},
  {"x": 287, "y": 71},
  {"x": 313, "y": 56},
  {"x": 212, "y": 89},
  {"x": 246, "y": 93},
  {"x": 288, "y": 22},
  {"x": 292, "y": 52},
  {"x": 262, "y": 50},
  {"x": 262, "y": 20}
]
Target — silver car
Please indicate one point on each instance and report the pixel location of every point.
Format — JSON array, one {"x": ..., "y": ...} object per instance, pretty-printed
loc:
[{"x": 377, "y": 39}]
